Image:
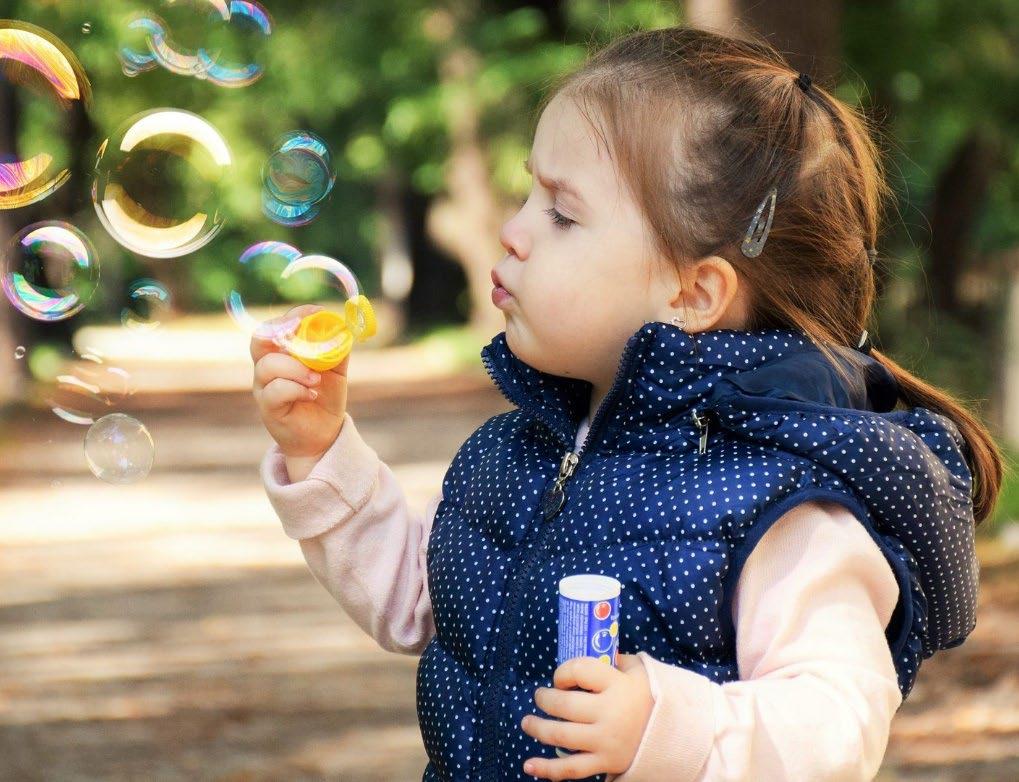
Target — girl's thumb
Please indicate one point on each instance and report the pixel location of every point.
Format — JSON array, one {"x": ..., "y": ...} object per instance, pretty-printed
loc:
[
  {"x": 625, "y": 662},
  {"x": 341, "y": 368}
]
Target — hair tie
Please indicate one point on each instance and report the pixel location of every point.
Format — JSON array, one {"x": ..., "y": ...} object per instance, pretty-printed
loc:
[{"x": 804, "y": 81}]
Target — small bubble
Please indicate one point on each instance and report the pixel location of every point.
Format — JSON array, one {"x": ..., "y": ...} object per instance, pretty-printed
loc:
[
  {"x": 119, "y": 449},
  {"x": 19, "y": 352},
  {"x": 297, "y": 177},
  {"x": 148, "y": 303},
  {"x": 86, "y": 28}
]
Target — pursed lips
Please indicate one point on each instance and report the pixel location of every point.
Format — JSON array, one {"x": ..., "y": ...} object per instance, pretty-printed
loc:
[{"x": 498, "y": 283}]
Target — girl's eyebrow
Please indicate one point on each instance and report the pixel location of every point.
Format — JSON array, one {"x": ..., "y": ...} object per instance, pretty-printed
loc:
[{"x": 556, "y": 183}]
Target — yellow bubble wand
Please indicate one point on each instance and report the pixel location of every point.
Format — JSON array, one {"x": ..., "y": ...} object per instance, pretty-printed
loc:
[{"x": 339, "y": 332}]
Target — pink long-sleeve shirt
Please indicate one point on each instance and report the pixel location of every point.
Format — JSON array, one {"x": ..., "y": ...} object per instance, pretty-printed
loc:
[{"x": 817, "y": 689}]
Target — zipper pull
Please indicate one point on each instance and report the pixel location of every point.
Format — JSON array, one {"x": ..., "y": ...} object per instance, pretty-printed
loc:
[
  {"x": 555, "y": 496},
  {"x": 701, "y": 422},
  {"x": 567, "y": 466}
]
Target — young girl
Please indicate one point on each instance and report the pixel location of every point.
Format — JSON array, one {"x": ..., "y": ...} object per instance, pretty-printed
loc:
[{"x": 698, "y": 414}]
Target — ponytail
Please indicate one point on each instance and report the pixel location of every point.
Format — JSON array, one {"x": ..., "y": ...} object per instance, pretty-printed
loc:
[{"x": 982, "y": 453}]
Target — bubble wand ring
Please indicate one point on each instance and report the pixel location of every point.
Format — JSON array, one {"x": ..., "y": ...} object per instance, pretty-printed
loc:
[{"x": 324, "y": 338}]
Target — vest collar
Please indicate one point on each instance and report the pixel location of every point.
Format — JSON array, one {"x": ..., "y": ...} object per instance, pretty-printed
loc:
[{"x": 665, "y": 373}]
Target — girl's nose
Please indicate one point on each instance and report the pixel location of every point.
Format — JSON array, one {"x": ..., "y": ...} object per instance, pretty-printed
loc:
[{"x": 513, "y": 237}]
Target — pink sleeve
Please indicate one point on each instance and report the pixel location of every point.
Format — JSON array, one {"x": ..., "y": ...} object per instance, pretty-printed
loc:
[
  {"x": 361, "y": 541},
  {"x": 817, "y": 689}
]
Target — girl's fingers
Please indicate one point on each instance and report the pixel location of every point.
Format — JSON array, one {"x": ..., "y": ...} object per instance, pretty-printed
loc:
[
  {"x": 555, "y": 733},
  {"x": 263, "y": 341},
  {"x": 572, "y": 705},
  {"x": 282, "y": 392},
  {"x": 578, "y": 766},
  {"x": 588, "y": 673},
  {"x": 274, "y": 365},
  {"x": 261, "y": 344},
  {"x": 341, "y": 368}
]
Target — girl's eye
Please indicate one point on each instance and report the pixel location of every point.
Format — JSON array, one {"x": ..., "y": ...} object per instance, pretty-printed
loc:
[{"x": 562, "y": 222}]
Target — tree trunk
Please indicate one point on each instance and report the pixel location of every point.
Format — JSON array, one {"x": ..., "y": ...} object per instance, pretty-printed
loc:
[
  {"x": 396, "y": 272},
  {"x": 959, "y": 195},
  {"x": 11, "y": 379},
  {"x": 807, "y": 34},
  {"x": 467, "y": 222}
]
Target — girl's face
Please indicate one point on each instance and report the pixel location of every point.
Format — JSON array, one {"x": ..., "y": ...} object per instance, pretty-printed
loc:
[{"x": 579, "y": 266}]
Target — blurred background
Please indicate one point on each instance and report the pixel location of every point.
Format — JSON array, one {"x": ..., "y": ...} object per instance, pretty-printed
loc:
[{"x": 155, "y": 623}]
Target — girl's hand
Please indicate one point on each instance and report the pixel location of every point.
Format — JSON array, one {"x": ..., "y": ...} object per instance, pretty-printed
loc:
[
  {"x": 302, "y": 409},
  {"x": 607, "y": 722}
]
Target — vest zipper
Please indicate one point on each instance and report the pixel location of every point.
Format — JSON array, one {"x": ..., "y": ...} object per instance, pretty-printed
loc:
[
  {"x": 552, "y": 502},
  {"x": 701, "y": 422},
  {"x": 488, "y": 760}
]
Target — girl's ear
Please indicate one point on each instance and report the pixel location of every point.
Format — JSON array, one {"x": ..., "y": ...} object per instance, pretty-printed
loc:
[{"x": 711, "y": 296}]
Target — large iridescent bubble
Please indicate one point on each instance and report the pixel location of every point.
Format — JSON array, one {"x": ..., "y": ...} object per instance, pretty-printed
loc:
[
  {"x": 50, "y": 272},
  {"x": 283, "y": 278},
  {"x": 37, "y": 63},
  {"x": 159, "y": 180},
  {"x": 297, "y": 178}
]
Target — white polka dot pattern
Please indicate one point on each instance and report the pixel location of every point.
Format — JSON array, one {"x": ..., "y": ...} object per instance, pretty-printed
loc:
[{"x": 673, "y": 524}]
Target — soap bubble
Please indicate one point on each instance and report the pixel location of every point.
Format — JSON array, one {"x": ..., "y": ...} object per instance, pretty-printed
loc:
[
  {"x": 297, "y": 178},
  {"x": 88, "y": 389},
  {"x": 119, "y": 449},
  {"x": 238, "y": 46},
  {"x": 148, "y": 303},
  {"x": 208, "y": 39},
  {"x": 279, "y": 272},
  {"x": 43, "y": 67},
  {"x": 19, "y": 352},
  {"x": 50, "y": 271},
  {"x": 172, "y": 39},
  {"x": 260, "y": 268},
  {"x": 133, "y": 48},
  {"x": 182, "y": 35},
  {"x": 158, "y": 182},
  {"x": 86, "y": 28}
]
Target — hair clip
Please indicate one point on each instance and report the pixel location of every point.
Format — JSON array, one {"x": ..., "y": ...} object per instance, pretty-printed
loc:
[
  {"x": 872, "y": 255},
  {"x": 804, "y": 81},
  {"x": 865, "y": 343},
  {"x": 757, "y": 235}
]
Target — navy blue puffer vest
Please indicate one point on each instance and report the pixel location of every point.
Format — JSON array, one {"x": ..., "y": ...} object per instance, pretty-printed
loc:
[{"x": 701, "y": 444}]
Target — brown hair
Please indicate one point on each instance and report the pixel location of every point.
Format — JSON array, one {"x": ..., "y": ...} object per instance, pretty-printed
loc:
[{"x": 714, "y": 122}]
